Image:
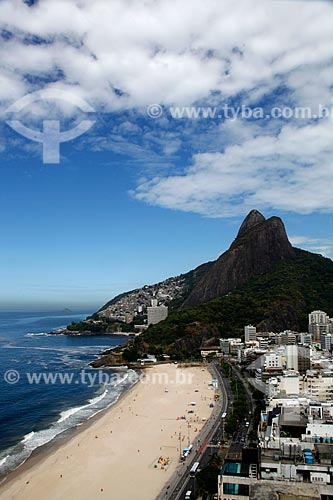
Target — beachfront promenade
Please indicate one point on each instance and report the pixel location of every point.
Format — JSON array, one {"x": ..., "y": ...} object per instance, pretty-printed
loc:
[{"x": 138, "y": 438}]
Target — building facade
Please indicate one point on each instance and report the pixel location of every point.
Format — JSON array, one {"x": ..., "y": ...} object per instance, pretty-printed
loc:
[
  {"x": 156, "y": 313},
  {"x": 250, "y": 333}
]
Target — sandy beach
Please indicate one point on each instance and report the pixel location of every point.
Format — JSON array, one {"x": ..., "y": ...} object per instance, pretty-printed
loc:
[{"x": 117, "y": 455}]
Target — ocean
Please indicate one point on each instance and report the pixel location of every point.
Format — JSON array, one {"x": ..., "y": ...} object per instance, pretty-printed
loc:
[{"x": 36, "y": 411}]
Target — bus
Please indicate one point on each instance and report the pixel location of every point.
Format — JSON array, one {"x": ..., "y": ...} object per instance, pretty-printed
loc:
[
  {"x": 194, "y": 469},
  {"x": 186, "y": 452}
]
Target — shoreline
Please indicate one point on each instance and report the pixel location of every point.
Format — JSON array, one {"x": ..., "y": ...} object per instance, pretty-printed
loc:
[
  {"x": 40, "y": 452},
  {"x": 88, "y": 333},
  {"x": 155, "y": 411}
]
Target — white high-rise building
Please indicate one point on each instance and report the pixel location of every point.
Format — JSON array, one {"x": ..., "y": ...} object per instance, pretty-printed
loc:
[
  {"x": 318, "y": 323},
  {"x": 250, "y": 333},
  {"x": 156, "y": 313},
  {"x": 326, "y": 341},
  {"x": 292, "y": 357},
  {"x": 318, "y": 317}
]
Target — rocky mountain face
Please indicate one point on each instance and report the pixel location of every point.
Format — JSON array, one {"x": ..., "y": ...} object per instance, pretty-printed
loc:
[
  {"x": 259, "y": 244},
  {"x": 261, "y": 280}
]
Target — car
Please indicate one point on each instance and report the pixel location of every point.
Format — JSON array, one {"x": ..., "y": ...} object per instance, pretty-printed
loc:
[{"x": 188, "y": 495}]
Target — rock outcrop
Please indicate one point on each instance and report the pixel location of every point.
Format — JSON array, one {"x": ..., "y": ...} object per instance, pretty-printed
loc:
[{"x": 259, "y": 244}]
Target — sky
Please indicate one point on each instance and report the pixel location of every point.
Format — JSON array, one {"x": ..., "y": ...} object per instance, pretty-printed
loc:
[{"x": 135, "y": 136}]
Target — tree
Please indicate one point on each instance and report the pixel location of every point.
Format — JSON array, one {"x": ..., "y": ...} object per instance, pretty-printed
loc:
[
  {"x": 130, "y": 354},
  {"x": 207, "y": 477}
]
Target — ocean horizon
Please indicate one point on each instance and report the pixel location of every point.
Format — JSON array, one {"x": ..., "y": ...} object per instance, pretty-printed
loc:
[{"x": 45, "y": 408}]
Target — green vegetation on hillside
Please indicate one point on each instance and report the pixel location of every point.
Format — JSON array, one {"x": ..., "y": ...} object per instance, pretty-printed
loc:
[{"x": 272, "y": 301}]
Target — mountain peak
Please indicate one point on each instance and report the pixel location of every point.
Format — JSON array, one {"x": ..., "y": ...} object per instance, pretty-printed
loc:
[
  {"x": 264, "y": 244},
  {"x": 252, "y": 219}
]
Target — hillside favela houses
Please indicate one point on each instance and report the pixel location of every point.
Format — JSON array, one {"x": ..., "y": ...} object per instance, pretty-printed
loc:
[
  {"x": 147, "y": 304},
  {"x": 294, "y": 458},
  {"x": 138, "y": 301}
]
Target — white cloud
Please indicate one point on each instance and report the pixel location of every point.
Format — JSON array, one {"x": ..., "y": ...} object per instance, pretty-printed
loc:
[
  {"x": 324, "y": 246},
  {"x": 165, "y": 50},
  {"x": 289, "y": 171},
  {"x": 125, "y": 54}
]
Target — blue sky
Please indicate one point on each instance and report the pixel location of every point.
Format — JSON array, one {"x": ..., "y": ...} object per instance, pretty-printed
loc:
[{"x": 137, "y": 199}]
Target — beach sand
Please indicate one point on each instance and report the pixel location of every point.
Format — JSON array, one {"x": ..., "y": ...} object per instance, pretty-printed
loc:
[{"x": 114, "y": 456}]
